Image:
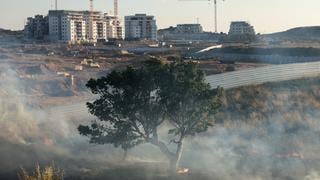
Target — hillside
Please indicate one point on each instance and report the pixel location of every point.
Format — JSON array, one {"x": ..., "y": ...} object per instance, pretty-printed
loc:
[
  {"x": 293, "y": 100},
  {"x": 299, "y": 33}
]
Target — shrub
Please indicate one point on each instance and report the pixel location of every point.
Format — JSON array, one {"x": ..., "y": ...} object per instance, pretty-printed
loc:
[{"x": 48, "y": 173}]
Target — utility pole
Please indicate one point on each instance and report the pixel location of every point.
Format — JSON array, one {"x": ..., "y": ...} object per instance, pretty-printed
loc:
[{"x": 56, "y": 5}]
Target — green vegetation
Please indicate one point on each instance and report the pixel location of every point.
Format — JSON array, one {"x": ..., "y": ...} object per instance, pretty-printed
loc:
[{"x": 133, "y": 104}]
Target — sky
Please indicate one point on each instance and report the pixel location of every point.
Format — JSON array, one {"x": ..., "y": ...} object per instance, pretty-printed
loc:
[{"x": 266, "y": 16}]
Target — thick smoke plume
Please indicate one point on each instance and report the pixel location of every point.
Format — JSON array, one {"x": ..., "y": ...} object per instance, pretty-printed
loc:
[
  {"x": 259, "y": 141},
  {"x": 31, "y": 134}
]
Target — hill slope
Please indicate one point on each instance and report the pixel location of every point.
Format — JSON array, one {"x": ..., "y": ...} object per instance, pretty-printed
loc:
[{"x": 299, "y": 33}]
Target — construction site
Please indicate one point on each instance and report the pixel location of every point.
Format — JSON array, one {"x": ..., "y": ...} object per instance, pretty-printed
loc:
[
  {"x": 61, "y": 70},
  {"x": 267, "y": 127}
]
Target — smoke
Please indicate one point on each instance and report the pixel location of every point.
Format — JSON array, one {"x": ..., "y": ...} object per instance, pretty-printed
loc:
[
  {"x": 267, "y": 134},
  {"x": 31, "y": 134},
  {"x": 17, "y": 124}
]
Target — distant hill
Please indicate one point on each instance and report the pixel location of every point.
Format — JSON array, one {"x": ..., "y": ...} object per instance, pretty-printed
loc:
[
  {"x": 298, "y": 33},
  {"x": 10, "y": 32}
]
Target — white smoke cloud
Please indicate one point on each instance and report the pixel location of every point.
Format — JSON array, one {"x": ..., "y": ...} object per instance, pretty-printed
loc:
[{"x": 30, "y": 134}]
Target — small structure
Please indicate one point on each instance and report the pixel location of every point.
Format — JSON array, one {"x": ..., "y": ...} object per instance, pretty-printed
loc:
[
  {"x": 78, "y": 68},
  {"x": 86, "y": 61},
  {"x": 90, "y": 63},
  {"x": 187, "y": 33},
  {"x": 61, "y": 73},
  {"x": 94, "y": 65}
]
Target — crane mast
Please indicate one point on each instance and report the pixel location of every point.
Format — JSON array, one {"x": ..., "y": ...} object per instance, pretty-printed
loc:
[
  {"x": 115, "y": 6},
  {"x": 215, "y": 2},
  {"x": 91, "y": 36},
  {"x": 116, "y": 22},
  {"x": 215, "y": 17}
]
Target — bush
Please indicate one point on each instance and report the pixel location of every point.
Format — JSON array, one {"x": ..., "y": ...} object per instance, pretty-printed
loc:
[{"x": 48, "y": 173}]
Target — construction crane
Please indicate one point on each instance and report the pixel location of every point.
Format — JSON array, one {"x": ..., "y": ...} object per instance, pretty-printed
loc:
[
  {"x": 215, "y": 15},
  {"x": 91, "y": 38},
  {"x": 115, "y": 6},
  {"x": 215, "y": 12},
  {"x": 116, "y": 21},
  {"x": 56, "y": 5},
  {"x": 91, "y": 5}
]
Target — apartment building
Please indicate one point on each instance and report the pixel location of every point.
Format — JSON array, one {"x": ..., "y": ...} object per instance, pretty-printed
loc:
[
  {"x": 77, "y": 26},
  {"x": 140, "y": 26},
  {"x": 241, "y": 28},
  {"x": 114, "y": 27},
  {"x": 36, "y": 27},
  {"x": 241, "y": 32}
]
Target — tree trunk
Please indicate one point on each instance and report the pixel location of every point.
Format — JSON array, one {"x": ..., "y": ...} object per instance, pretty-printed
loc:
[
  {"x": 164, "y": 149},
  {"x": 125, "y": 154},
  {"x": 179, "y": 153},
  {"x": 172, "y": 166},
  {"x": 175, "y": 160}
]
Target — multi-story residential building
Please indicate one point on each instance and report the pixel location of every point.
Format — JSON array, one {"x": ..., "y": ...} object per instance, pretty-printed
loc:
[
  {"x": 67, "y": 26},
  {"x": 114, "y": 27},
  {"x": 241, "y": 28},
  {"x": 140, "y": 26},
  {"x": 99, "y": 26},
  {"x": 37, "y": 27},
  {"x": 75, "y": 26},
  {"x": 241, "y": 32}
]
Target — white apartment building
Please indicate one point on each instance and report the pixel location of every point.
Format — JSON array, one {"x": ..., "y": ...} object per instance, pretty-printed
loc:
[
  {"x": 67, "y": 26},
  {"x": 77, "y": 26},
  {"x": 241, "y": 28},
  {"x": 114, "y": 27},
  {"x": 140, "y": 26}
]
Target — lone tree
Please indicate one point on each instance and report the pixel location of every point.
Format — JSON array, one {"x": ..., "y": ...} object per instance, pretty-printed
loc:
[{"x": 133, "y": 103}]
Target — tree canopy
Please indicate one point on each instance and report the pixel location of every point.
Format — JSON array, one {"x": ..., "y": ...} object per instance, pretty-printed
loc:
[{"x": 133, "y": 103}]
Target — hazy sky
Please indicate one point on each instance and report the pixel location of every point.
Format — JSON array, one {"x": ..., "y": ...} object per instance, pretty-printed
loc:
[{"x": 266, "y": 15}]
